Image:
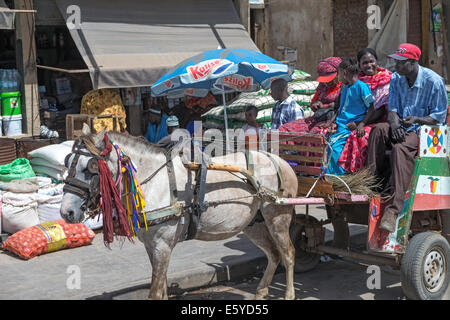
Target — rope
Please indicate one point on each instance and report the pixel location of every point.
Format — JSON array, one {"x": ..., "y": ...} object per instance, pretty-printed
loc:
[{"x": 216, "y": 203}]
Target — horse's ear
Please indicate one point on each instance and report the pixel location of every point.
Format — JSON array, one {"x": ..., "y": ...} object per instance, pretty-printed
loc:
[
  {"x": 86, "y": 129},
  {"x": 98, "y": 139}
]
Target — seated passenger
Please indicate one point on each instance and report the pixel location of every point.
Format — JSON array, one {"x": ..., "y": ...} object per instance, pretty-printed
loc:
[
  {"x": 354, "y": 156},
  {"x": 324, "y": 103},
  {"x": 286, "y": 109},
  {"x": 326, "y": 97},
  {"x": 417, "y": 97},
  {"x": 252, "y": 129},
  {"x": 355, "y": 111}
]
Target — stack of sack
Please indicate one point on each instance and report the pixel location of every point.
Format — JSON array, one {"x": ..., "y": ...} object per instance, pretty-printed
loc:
[
  {"x": 29, "y": 202},
  {"x": 48, "y": 161},
  {"x": 30, "y": 211},
  {"x": 300, "y": 89}
]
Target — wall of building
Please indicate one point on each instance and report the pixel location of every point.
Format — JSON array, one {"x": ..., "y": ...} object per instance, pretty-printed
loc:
[
  {"x": 415, "y": 23},
  {"x": 304, "y": 25},
  {"x": 350, "y": 27}
]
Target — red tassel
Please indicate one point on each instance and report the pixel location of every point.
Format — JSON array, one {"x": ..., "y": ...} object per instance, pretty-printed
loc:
[{"x": 111, "y": 197}]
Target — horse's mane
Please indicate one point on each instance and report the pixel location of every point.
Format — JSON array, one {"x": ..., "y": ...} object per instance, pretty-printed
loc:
[{"x": 133, "y": 141}]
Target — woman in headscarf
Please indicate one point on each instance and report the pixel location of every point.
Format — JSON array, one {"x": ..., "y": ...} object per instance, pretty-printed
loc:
[
  {"x": 326, "y": 97},
  {"x": 354, "y": 155}
]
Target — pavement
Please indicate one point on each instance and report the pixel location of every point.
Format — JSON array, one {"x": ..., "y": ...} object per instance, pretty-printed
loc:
[{"x": 96, "y": 272}]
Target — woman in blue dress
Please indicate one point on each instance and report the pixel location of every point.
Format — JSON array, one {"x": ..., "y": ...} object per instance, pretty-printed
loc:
[{"x": 355, "y": 111}]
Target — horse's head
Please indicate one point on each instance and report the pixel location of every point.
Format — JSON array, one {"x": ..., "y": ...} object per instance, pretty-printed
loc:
[{"x": 82, "y": 185}]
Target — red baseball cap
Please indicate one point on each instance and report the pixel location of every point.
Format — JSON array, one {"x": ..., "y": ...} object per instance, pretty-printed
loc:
[{"x": 406, "y": 51}]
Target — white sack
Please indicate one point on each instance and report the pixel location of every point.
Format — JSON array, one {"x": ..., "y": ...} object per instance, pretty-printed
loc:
[
  {"x": 19, "y": 211},
  {"x": 50, "y": 172},
  {"x": 49, "y": 203},
  {"x": 54, "y": 153},
  {"x": 68, "y": 143},
  {"x": 43, "y": 182},
  {"x": 46, "y": 163},
  {"x": 53, "y": 190}
]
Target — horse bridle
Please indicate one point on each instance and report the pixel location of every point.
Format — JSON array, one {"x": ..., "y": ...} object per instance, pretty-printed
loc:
[{"x": 89, "y": 192}]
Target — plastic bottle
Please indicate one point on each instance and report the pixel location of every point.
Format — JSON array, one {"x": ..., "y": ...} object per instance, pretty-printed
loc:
[
  {"x": 15, "y": 80},
  {"x": 2, "y": 77},
  {"x": 6, "y": 81},
  {"x": 10, "y": 81}
]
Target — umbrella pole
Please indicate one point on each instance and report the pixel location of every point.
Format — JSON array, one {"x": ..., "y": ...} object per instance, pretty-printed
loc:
[{"x": 227, "y": 138}]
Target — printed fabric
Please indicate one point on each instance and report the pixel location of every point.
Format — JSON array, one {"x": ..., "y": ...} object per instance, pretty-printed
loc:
[{"x": 104, "y": 102}]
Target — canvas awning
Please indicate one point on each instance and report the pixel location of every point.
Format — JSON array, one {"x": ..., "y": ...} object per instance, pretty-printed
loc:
[
  {"x": 132, "y": 43},
  {"x": 6, "y": 16}
]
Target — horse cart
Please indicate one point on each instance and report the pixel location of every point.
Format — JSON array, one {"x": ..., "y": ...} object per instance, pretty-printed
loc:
[{"x": 419, "y": 246}]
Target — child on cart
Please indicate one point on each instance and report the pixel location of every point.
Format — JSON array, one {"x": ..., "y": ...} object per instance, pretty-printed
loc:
[{"x": 355, "y": 111}]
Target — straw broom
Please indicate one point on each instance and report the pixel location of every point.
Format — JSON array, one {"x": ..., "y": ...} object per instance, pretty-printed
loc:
[{"x": 361, "y": 182}]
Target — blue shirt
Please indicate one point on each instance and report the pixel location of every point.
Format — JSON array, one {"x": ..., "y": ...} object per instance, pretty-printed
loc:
[
  {"x": 157, "y": 132},
  {"x": 286, "y": 111},
  {"x": 355, "y": 100},
  {"x": 427, "y": 97}
]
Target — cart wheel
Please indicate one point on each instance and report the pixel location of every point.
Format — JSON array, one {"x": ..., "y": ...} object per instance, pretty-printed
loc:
[
  {"x": 424, "y": 269},
  {"x": 304, "y": 261}
]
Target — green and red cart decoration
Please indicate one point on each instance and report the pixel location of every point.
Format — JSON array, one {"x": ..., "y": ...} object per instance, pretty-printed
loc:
[{"x": 429, "y": 190}]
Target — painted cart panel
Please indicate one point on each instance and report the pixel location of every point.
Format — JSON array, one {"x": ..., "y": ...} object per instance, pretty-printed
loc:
[{"x": 429, "y": 189}]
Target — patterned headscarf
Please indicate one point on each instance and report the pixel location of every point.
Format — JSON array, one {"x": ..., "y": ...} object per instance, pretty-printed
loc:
[{"x": 327, "y": 68}]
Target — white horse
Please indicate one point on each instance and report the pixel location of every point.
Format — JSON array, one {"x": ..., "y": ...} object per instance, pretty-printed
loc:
[{"x": 218, "y": 222}]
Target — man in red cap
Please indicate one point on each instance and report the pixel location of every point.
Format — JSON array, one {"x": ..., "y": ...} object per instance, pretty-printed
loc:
[{"x": 417, "y": 96}]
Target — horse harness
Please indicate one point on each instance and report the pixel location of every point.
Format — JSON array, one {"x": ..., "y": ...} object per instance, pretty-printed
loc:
[{"x": 91, "y": 192}]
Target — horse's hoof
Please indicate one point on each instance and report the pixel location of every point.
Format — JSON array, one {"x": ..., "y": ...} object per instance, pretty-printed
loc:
[
  {"x": 290, "y": 297},
  {"x": 262, "y": 294}
]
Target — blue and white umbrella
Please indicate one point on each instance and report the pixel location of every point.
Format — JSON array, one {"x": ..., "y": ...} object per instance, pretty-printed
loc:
[{"x": 221, "y": 71}]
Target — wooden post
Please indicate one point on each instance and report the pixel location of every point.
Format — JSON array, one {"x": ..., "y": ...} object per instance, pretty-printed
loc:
[
  {"x": 425, "y": 8},
  {"x": 26, "y": 65},
  {"x": 135, "y": 115}
]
